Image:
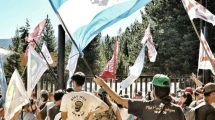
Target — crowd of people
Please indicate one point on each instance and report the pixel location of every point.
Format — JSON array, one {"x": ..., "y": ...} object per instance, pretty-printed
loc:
[{"x": 105, "y": 104}]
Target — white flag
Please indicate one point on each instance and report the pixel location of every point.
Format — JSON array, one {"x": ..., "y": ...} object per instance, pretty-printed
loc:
[
  {"x": 204, "y": 60},
  {"x": 36, "y": 66},
  {"x": 72, "y": 63},
  {"x": 46, "y": 53},
  {"x": 135, "y": 70},
  {"x": 152, "y": 53},
  {"x": 16, "y": 96},
  {"x": 196, "y": 10}
]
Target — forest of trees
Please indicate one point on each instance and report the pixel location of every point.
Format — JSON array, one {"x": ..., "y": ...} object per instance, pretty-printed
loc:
[{"x": 174, "y": 37}]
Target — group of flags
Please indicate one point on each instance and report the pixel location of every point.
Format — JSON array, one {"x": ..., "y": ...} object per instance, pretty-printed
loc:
[
  {"x": 15, "y": 96},
  {"x": 95, "y": 16},
  {"x": 196, "y": 10}
]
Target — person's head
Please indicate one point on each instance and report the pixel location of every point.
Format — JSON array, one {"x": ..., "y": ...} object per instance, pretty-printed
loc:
[
  {"x": 58, "y": 95},
  {"x": 209, "y": 93},
  {"x": 198, "y": 93},
  {"x": 138, "y": 95},
  {"x": 161, "y": 86},
  {"x": 78, "y": 79},
  {"x": 189, "y": 90},
  {"x": 44, "y": 95},
  {"x": 187, "y": 99}
]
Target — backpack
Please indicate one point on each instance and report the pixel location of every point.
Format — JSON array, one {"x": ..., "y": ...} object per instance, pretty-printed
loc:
[{"x": 107, "y": 115}]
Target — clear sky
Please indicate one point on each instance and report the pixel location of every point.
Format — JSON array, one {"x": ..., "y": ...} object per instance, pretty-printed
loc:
[{"x": 13, "y": 14}]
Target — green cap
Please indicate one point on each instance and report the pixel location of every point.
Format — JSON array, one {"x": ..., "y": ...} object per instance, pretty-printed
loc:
[
  {"x": 161, "y": 80},
  {"x": 102, "y": 92}
]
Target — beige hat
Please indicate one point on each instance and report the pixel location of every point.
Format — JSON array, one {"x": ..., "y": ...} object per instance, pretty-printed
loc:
[{"x": 209, "y": 87}]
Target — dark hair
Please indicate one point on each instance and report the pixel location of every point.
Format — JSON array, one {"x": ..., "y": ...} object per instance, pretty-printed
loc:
[
  {"x": 45, "y": 96},
  {"x": 69, "y": 90},
  {"x": 163, "y": 94},
  {"x": 79, "y": 78},
  {"x": 188, "y": 97},
  {"x": 58, "y": 95}
]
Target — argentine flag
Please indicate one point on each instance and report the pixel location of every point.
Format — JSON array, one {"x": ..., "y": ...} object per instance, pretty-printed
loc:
[{"x": 84, "y": 19}]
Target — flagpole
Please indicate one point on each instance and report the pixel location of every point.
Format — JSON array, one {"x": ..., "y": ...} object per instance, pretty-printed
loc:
[
  {"x": 52, "y": 72},
  {"x": 213, "y": 65}
]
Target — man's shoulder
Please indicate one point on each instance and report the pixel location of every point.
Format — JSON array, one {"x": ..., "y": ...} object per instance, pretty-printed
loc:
[
  {"x": 206, "y": 107},
  {"x": 81, "y": 93}
]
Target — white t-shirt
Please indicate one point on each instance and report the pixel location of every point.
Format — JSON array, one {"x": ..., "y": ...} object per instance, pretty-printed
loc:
[{"x": 79, "y": 104}]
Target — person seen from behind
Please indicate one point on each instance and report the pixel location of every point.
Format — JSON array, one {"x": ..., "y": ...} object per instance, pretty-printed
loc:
[
  {"x": 79, "y": 104},
  {"x": 53, "y": 111},
  {"x": 160, "y": 108}
]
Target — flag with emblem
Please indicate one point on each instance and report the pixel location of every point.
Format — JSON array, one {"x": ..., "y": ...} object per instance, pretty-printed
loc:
[
  {"x": 206, "y": 57},
  {"x": 148, "y": 40},
  {"x": 35, "y": 35},
  {"x": 196, "y": 10},
  {"x": 84, "y": 27},
  {"x": 109, "y": 72}
]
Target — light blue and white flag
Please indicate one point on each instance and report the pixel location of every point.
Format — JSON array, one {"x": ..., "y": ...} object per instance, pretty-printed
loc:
[
  {"x": 84, "y": 19},
  {"x": 3, "y": 82}
]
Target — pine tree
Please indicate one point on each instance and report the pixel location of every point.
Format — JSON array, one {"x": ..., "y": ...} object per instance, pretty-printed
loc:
[
  {"x": 13, "y": 61},
  {"x": 48, "y": 36}
]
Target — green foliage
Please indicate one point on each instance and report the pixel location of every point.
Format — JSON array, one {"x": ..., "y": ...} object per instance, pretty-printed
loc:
[
  {"x": 48, "y": 37},
  {"x": 13, "y": 60},
  {"x": 91, "y": 53}
]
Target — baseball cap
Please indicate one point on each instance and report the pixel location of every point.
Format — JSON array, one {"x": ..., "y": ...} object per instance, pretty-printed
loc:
[
  {"x": 199, "y": 90},
  {"x": 161, "y": 80},
  {"x": 102, "y": 92},
  {"x": 209, "y": 88},
  {"x": 189, "y": 89}
]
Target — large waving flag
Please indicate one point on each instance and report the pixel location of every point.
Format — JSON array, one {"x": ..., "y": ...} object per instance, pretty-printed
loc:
[
  {"x": 84, "y": 19},
  {"x": 206, "y": 57},
  {"x": 135, "y": 70},
  {"x": 46, "y": 53},
  {"x": 109, "y": 72},
  {"x": 196, "y": 10},
  {"x": 36, "y": 66},
  {"x": 16, "y": 96},
  {"x": 152, "y": 53},
  {"x": 3, "y": 82}
]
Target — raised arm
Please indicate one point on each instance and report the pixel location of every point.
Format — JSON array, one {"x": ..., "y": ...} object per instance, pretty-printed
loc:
[
  {"x": 111, "y": 93},
  {"x": 197, "y": 82}
]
